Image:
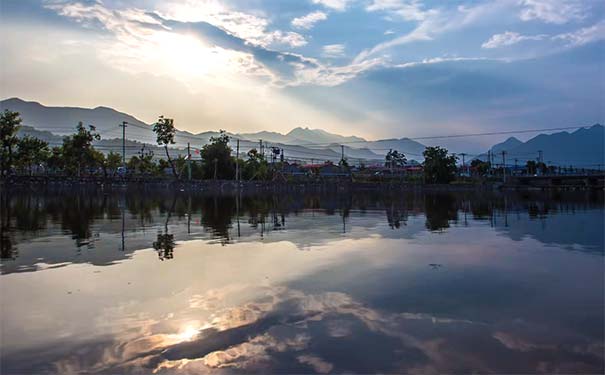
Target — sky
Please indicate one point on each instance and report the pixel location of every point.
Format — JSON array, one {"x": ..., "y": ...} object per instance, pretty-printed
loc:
[{"x": 372, "y": 68}]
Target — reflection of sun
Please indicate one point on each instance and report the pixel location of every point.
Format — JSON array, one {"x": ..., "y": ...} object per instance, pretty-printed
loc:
[{"x": 188, "y": 333}]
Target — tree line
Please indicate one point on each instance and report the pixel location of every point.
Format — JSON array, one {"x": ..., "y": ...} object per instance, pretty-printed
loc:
[{"x": 77, "y": 156}]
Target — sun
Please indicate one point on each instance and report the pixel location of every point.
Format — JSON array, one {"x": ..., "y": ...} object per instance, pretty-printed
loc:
[{"x": 188, "y": 333}]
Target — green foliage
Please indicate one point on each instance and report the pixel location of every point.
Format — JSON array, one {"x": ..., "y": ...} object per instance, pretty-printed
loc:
[
  {"x": 55, "y": 160},
  {"x": 256, "y": 167},
  {"x": 395, "y": 159},
  {"x": 480, "y": 166},
  {"x": 165, "y": 132},
  {"x": 109, "y": 163},
  {"x": 112, "y": 162},
  {"x": 439, "y": 167},
  {"x": 31, "y": 151},
  {"x": 217, "y": 160},
  {"x": 143, "y": 163},
  {"x": 10, "y": 122},
  {"x": 78, "y": 153}
]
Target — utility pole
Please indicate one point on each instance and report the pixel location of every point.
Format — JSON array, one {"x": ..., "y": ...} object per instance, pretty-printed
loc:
[
  {"x": 504, "y": 166},
  {"x": 489, "y": 160},
  {"x": 342, "y": 153},
  {"x": 237, "y": 163},
  {"x": 189, "y": 161},
  {"x": 260, "y": 146},
  {"x": 539, "y": 156},
  {"x": 123, "y": 126},
  {"x": 463, "y": 161}
]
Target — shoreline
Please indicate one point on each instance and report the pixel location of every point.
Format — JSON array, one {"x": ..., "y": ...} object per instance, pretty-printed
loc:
[{"x": 55, "y": 182}]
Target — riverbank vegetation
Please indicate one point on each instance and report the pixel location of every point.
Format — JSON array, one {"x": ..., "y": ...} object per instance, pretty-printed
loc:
[{"x": 77, "y": 156}]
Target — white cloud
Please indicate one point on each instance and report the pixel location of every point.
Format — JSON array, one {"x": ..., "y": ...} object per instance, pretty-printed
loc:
[
  {"x": 308, "y": 21},
  {"x": 508, "y": 38},
  {"x": 432, "y": 22},
  {"x": 552, "y": 11},
  {"x": 289, "y": 38},
  {"x": 409, "y": 10},
  {"x": 584, "y": 35},
  {"x": 338, "y": 5},
  {"x": 333, "y": 50},
  {"x": 253, "y": 28},
  {"x": 576, "y": 38}
]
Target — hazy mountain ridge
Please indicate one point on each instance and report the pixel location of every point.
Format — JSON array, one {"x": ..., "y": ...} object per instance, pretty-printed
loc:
[
  {"x": 507, "y": 145},
  {"x": 583, "y": 147}
]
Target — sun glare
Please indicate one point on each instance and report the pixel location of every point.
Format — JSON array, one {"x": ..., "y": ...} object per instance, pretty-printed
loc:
[{"x": 188, "y": 333}]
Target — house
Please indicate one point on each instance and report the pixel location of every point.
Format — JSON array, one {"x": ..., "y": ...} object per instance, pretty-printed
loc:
[
  {"x": 294, "y": 170},
  {"x": 327, "y": 169}
]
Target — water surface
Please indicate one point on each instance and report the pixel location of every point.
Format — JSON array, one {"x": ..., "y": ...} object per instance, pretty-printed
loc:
[{"x": 156, "y": 281}]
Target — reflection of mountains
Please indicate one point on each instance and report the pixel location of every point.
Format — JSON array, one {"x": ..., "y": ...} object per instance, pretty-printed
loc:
[{"x": 105, "y": 227}]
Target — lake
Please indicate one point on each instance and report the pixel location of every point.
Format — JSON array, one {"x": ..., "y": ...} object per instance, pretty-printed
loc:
[{"x": 401, "y": 282}]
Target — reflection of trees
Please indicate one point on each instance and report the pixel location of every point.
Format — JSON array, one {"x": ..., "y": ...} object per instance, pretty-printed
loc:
[
  {"x": 440, "y": 209},
  {"x": 75, "y": 211},
  {"x": 7, "y": 248},
  {"x": 395, "y": 217},
  {"x": 165, "y": 245},
  {"x": 217, "y": 215}
]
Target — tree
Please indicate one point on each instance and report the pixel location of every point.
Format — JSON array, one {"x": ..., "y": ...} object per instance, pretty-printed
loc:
[
  {"x": 109, "y": 163},
  {"x": 31, "y": 151},
  {"x": 98, "y": 160},
  {"x": 531, "y": 167},
  {"x": 480, "y": 166},
  {"x": 10, "y": 122},
  {"x": 78, "y": 152},
  {"x": 395, "y": 159},
  {"x": 143, "y": 163},
  {"x": 113, "y": 161},
  {"x": 256, "y": 167},
  {"x": 165, "y": 132},
  {"x": 216, "y": 157},
  {"x": 55, "y": 160},
  {"x": 439, "y": 167}
]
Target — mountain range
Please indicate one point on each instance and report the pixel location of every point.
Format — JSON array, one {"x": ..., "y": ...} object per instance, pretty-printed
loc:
[{"x": 584, "y": 146}]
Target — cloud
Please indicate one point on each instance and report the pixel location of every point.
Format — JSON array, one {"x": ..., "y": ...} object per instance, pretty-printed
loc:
[
  {"x": 319, "y": 365},
  {"x": 307, "y": 22},
  {"x": 430, "y": 22},
  {"x": 584, "y": 35},
  {"x": 576, "y": 38},
  {"x": 338, "y": 5},
  {"x": 254, "y": 28},
  {"x": 333, "y": 50},
  {"x": 409, "y": 10},
  {"x": 552, "y": 11},
  {"x": 508, "y": 38}
]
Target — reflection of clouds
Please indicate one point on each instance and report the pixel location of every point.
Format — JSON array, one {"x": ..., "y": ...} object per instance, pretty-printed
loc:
[
  {"x": 318, "y": 364},
  {"x": 288, "y": 330},
  {"x": 517, "y": 343},
  {"x": 289, "y": 321},
  {"x": 339, "y": 328}
]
